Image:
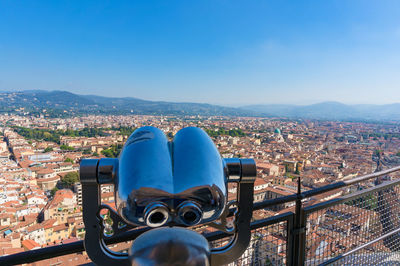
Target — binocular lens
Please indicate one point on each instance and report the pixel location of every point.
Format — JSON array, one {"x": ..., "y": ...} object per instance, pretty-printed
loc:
[
  {"x": 156, "y": 215},
  {"x": 189, "y": 213}
]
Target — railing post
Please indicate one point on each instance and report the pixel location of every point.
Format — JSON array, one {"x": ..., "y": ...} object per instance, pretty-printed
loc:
[
  {"x": 289, "y": 241},
  {"x": 299, "y": 230}
]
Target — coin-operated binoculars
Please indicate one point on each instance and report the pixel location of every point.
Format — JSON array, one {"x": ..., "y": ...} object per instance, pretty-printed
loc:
[{"x": 167, "y": 187}]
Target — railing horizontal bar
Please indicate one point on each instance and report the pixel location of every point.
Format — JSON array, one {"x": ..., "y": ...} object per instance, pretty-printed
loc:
[
  {"x": 216, "y": 235},
  {"x": 332, "y": 202},
  {"x": 359, "y": 247},
  {"x": 271, "y": 220},
  {"x": 64, "y": 249},
  {"x": 42, "y": 253},
  {"x": 75, "y": 247},
  {"x": 345, "y": 183},
  {"x": 273, "y": 202},
  {"x": 254, "y": 225},
  {"x": 317, "y": 191}
]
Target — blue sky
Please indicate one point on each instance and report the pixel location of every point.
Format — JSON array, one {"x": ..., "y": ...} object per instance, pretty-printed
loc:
[{"x": 220, "y": 51}]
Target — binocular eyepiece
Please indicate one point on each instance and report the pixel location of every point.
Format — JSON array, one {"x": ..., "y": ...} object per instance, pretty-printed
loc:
[{"x": 179, "y": 182}]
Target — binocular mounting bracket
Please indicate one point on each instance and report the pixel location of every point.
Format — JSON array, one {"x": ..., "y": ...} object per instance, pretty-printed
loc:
[{"x": 95, "y": 172}]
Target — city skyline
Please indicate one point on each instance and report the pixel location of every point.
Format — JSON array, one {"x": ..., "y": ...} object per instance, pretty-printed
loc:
[{"x": 224, "y": 53}]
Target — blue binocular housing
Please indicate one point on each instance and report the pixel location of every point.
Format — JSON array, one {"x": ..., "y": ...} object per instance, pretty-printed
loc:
[{"x": 179, "y": 182}]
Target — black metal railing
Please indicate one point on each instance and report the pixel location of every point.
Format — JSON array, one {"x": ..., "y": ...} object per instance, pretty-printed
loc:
[
  {"x": 362, "y": 227},
  {"x": 359, "y": 225}
]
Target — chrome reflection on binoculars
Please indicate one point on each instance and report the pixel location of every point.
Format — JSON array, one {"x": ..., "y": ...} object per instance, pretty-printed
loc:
[{"x": 182, "y": 181}]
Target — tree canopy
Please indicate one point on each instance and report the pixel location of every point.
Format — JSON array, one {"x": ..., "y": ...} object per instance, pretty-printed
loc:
[
  {"x": 70, "y": 179},
  {"x": 54, "y": 135},
  {"x": 113, "y": 151},
  {"x": 68, "y": 160},
  {"x": 66, "y": 148},
  {"x": 48, "y": 149},
  {"x": 222, "y": 131}
]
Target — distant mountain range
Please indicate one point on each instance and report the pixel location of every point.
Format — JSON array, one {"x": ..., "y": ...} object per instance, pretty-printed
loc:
[
  {"x": 63, "y": 103},
  {"x": 331, "y": 111}
]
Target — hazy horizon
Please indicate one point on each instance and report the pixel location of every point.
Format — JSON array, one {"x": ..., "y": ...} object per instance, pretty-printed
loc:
[
  {"x": 218, "y": 52},
  {"x": 226, "y": 105}
]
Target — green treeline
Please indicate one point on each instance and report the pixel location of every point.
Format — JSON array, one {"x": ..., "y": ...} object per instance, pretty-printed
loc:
[
  {"x": 124, "y": 131},
  {"x": 376, "y": 135},
  {"x": 222, "y": 131},
  {"x": 54, "y": 135},
  {"x": 113, "y": 151}
]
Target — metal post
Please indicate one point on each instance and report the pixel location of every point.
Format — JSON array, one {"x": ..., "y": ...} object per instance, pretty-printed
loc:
[
  {"x": 299, "y": 231},
  {"x": 94, "y": 243},
  {"x": 242, "y": 237},
  {"x": 289, "y": 240}
]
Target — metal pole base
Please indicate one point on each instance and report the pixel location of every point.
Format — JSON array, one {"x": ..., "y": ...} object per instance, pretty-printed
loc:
[{"x": 170, "y": 246}]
